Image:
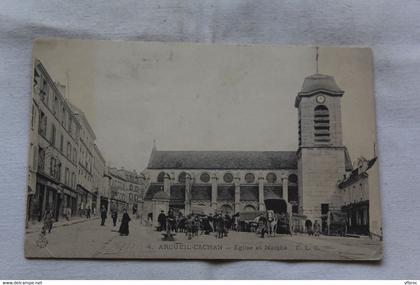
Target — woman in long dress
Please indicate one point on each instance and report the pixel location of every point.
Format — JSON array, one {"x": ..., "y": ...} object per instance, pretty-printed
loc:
[{"x": 124, "y": 224}]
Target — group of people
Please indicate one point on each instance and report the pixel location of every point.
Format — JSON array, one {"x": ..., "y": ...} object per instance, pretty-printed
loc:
[
  {"x": 125, "y": 220},
  {"x": 266, "y": 224},
  {"x": 194, "y": 224},
  {"x": 48, "y": 219},
  {"x": 86, "y": 212},
  {"x": 313, "y": 230}
]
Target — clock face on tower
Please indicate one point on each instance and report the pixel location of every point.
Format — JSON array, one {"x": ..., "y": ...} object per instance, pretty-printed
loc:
[{"x": 320, "y": 99}]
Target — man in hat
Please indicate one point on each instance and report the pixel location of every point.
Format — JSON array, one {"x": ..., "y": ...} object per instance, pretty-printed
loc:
[{"x": 162, "y": 221}]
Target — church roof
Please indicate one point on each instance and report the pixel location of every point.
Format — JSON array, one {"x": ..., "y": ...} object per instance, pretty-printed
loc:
[
  {"x": 318, "y": 83},
  {"x": 223, "y": 160}
]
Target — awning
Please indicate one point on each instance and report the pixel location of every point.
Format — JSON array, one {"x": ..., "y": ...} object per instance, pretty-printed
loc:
[
  {"x": 277, "y": 205},
  {"x": 337, "y": 217}
]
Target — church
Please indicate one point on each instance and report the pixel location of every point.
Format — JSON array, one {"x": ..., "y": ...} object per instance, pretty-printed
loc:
[{"x": 310, "y": 183}]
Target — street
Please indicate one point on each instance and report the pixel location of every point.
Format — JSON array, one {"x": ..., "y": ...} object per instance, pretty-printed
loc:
[{"x": 90, "y": 240}]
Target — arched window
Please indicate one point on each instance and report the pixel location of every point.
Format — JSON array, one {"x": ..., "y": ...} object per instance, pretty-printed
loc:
[
  {"x": 292, "y": 178},
  {"x": 226, "y": 209},
  {"x": 228, "y": 178},
  {"x": 161, "y": 177},
  {"x": 249, "y": 178},
  {"x": 204, "y": 177},
  {"x": 249, "y": 208},
  {"x": 271, "y": 178},
  {"x": 322, "y": 124},
  {"x": 181, "y": 177}
]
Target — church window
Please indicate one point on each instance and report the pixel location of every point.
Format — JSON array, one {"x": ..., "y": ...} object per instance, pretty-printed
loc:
[
  {"x": 249, "y": 178},
  {"x": 249, "y": 208},
  {"x": 204, "y": 177},
  {"x": 226, "y": 209},
  {"x": 228, "y": 177},
  {"x": 292, "y": 178},
  {"x": 322, "y": 124},
  {"x": 181, "y": 177},
  {"x": 161, "y": 177},
  {"x": 271, "y": 178}
]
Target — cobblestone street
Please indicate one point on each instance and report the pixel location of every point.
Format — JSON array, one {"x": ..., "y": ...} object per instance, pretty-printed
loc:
[{"x": 90, "y": 240}]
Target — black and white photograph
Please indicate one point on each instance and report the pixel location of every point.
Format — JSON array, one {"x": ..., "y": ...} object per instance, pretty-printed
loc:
[{"x": 153, "y": 150}]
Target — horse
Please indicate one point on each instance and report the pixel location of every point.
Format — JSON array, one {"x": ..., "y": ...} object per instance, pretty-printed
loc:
[{"x": 271, "y": 223}]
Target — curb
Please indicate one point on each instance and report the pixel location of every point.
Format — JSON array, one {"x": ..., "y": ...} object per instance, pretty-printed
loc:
[{"x": 30, "y": 231}]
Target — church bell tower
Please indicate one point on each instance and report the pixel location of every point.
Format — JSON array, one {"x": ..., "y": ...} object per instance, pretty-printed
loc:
[{"x": 321, "y": 154}]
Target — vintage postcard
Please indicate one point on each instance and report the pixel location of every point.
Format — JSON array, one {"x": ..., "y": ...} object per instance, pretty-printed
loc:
[{"x": 202, "y": 151}]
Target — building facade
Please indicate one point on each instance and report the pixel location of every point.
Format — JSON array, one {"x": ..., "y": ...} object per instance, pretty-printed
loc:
[
  {"x": 354, "y": 190},
  {"x": 226, "y": 181},
  {"x": 126, "y": 190},
  {"x": 98, "y": 178},
  {"x": 53, "y": 149},
  {"x": 62, "y": 177},
  {"x": 86, "y": 194},
  {"x": 304, "y": 183}
]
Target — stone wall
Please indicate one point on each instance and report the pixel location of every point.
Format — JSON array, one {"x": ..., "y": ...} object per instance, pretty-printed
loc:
[{"x": 319, "y": 170}]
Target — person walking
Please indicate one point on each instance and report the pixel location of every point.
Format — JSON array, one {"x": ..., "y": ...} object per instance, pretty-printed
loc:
[
  {"x": 178, "y": 221},
  {"x": 48, "y": 221},
  {"x": 196, "y": 225},
  {"x": 66, "y": 214},
  {"x": 88, "y": 213},
  {"x": 114, "y": 216},
  {"x": 228, "y": 225},
  {"x": 189, "y": 226},
  {"x": 162, "y": 221},
  {"x": 220, "y": 226},
  {"x": 124, "y": 231},
  {"x": 171, "y": 221},
  {"x": 317, "y": 228},
  {"x": 103, "y": 215},
  {"x": 262, "y": 222},
  {"x": 309, "y": 230},
  {"x": 211, "y": 224}
]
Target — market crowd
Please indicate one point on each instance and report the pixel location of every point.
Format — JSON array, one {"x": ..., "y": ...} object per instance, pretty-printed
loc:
[{"x": 197, "y": 224}]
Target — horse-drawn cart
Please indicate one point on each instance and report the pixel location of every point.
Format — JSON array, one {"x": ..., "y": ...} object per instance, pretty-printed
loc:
[
  {"x": 282, "y": 216},
  {"x": 247, "y": 221}
]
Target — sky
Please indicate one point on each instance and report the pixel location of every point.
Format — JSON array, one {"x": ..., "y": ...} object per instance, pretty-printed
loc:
[{"x": 189, "y": 96}]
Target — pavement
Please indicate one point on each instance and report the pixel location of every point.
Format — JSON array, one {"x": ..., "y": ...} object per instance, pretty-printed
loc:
[
  {"x": 35, "y": 226},
  {"x": 88, "y": 239}
]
